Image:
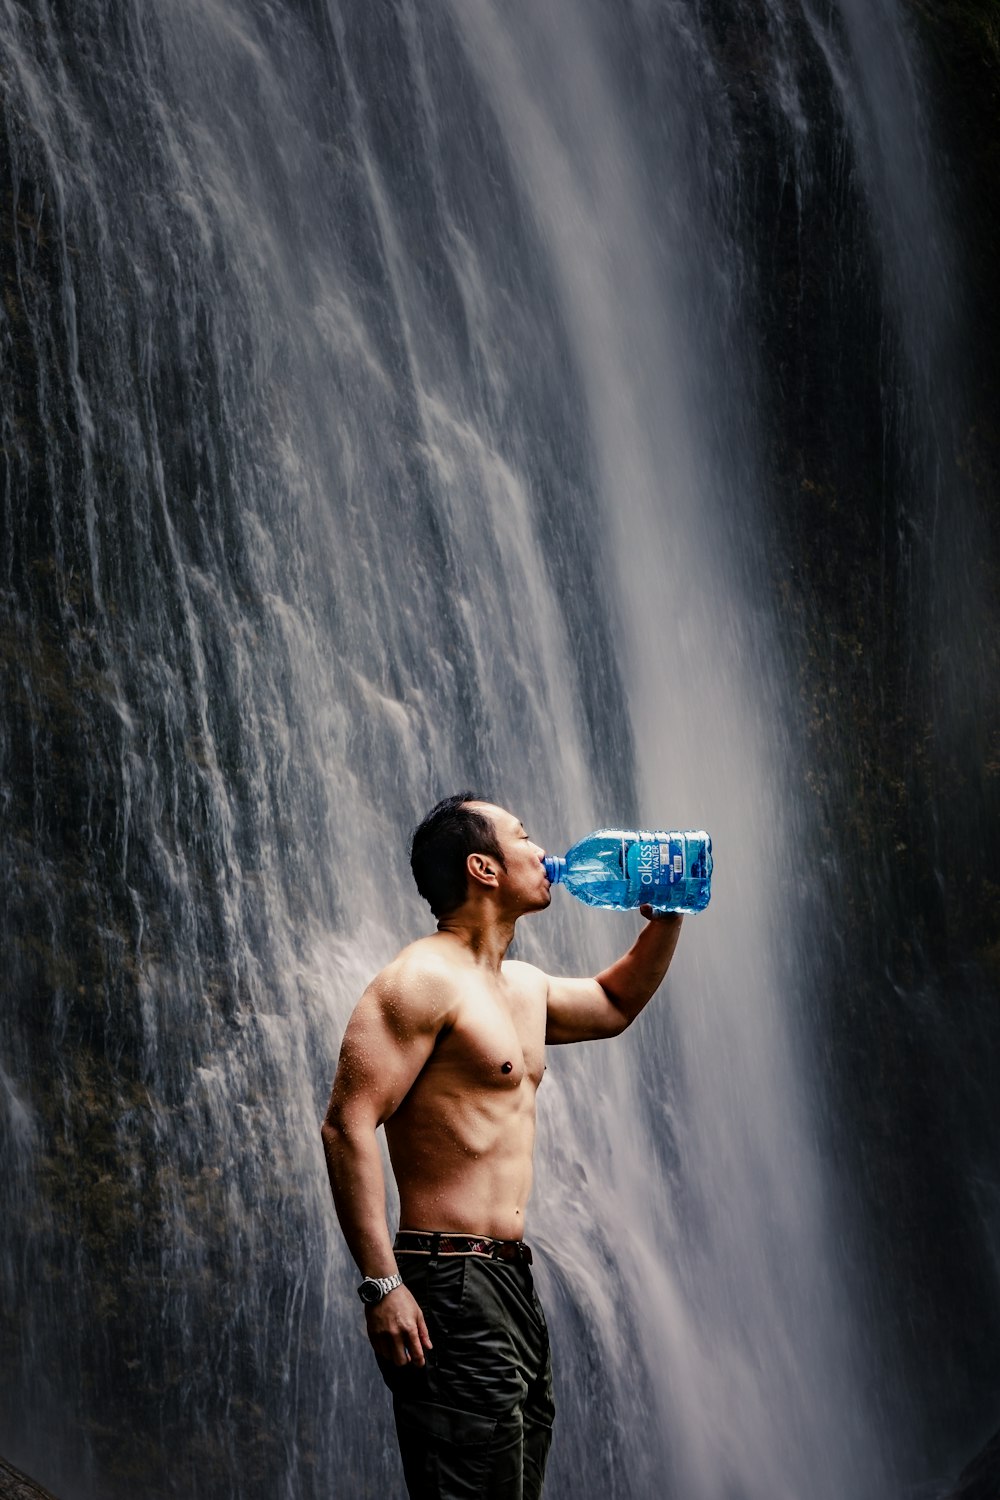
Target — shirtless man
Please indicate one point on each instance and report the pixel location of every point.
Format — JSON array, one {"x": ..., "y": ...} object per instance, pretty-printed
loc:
[{"x": 446, "y": 1049}]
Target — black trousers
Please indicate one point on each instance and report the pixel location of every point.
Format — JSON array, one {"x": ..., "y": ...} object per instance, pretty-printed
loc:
[{"x": 476, "y": 1422}]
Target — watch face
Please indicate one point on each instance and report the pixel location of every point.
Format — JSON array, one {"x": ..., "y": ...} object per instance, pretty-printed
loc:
[{"x": 370, "y": 1292}]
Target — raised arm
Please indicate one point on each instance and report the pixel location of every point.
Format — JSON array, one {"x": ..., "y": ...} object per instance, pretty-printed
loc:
[
  {"x": 586, "y": 1010},
  {"x": 388, "y": 1040}
]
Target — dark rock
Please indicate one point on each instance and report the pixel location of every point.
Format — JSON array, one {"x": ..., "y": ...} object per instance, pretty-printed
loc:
[
  {"x": 17, "y": 1486},
  {"x": 980, "y": 1480}
]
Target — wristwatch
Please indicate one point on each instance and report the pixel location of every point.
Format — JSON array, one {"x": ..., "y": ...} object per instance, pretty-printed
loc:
[{"x": 374, "y": 1288}]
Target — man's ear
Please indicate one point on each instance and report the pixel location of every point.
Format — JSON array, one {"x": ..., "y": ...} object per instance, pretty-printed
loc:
[{"x": 482, "y": 869}]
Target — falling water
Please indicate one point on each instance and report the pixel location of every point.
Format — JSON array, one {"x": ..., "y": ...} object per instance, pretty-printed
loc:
[{"x": 388, "y": 419}]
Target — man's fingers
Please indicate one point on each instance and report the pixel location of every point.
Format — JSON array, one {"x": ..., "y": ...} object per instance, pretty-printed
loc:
[
  {"x": 652, "y": 915},
  {"x": 415, "y": 1346},
  {"x": 398, "y": 1331},
  {"x": 394, "y": 1348},
  {"x": 403, "y": 1352},
  {"x": 405, "y": 1346}
]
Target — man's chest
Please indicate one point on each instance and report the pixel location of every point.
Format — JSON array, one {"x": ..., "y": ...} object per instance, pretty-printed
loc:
[{"x": 498, "y": 1038}]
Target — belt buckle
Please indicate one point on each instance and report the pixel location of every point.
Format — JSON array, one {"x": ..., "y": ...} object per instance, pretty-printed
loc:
[{"x": 512, "y": 1250}]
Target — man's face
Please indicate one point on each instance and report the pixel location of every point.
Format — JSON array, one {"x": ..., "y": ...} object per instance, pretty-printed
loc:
[{"x": 524, "y": 879}]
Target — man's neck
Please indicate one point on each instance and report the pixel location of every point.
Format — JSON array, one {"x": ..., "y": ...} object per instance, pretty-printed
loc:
[{"x": 486, "y": 937}]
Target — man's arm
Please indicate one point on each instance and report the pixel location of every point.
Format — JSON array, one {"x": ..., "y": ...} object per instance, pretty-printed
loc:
[
  {"x": 388, "y": 1040},
  {"x": 585, "y": 1010}
]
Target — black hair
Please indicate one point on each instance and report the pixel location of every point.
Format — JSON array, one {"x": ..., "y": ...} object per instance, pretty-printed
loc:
[{"x": 443, "y": 842}]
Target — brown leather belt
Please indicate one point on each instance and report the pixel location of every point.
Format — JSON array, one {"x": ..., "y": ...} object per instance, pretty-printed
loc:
[{"x": 419, "y": 1242}]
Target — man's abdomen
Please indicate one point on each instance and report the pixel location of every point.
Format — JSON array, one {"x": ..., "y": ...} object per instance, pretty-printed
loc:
[{"x": 462, "y": 1167}]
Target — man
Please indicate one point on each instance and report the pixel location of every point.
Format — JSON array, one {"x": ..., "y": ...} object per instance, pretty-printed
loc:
[{"x": 446, "y": 1050}]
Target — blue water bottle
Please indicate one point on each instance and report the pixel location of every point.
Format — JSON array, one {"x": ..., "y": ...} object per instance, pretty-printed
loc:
[{"x": 620, "y": 869}]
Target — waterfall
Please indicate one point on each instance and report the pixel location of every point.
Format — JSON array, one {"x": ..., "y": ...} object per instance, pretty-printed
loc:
[{"x": 384, "y": 411}]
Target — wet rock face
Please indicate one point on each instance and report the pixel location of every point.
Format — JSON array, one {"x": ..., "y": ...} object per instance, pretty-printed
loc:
[
  {"x": 138, "y": 956},
  {"x": 962, "y": 40},
  {"x": 17, "y": 1486},
  {"x": 923, "y": 995},
  {"x": 980, "y": 1479}
]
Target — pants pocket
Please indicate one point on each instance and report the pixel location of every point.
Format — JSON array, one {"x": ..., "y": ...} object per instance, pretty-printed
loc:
[
  {"x": 445, "y": 1451},
  {"x": 445, "y": 1294}
]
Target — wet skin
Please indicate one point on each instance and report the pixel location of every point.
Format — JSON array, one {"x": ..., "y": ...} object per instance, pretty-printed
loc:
[
  {"x": 461, "y": 1142},
  {"x": 446, "y": 1050}
]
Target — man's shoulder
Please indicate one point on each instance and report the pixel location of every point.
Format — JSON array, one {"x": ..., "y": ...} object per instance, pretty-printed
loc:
[
  {"x": 424, "y": 956},
  {"x": 525, "y": 976},
  {"x": 420, "y": 977}
]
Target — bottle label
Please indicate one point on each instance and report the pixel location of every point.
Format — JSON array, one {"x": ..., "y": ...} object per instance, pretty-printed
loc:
[{"x": 651, "y": 864}]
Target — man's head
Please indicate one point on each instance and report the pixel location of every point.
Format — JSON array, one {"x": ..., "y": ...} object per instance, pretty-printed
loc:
[
  {"x": 465, "y": 842},
  {"x": 457, "y": 827}
]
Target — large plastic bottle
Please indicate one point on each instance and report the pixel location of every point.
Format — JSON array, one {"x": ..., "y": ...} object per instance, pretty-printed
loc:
[{"x": 621, "y": 869}]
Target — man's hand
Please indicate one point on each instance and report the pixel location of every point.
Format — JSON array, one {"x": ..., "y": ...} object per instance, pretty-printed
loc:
[
  {"x": 652, "y": 915},
  {"x": 397, "y": 1330}
]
